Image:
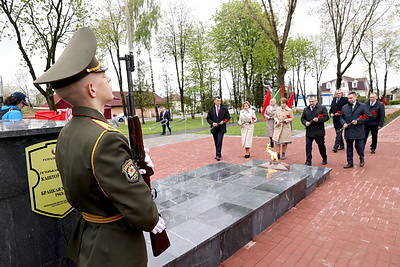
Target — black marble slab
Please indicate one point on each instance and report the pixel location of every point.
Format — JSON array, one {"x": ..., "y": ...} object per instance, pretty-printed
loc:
[
  {"x": 29, "y": 127},
  {"x": 213, "y": 211},
  {"x": 27, "y": 238}
]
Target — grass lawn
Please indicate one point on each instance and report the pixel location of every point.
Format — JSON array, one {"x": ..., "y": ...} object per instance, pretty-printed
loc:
[{"x": 259, "y": 127}]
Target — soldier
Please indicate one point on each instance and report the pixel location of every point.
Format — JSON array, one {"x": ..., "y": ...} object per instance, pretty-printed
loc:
[{"x": 100, "y": 178}]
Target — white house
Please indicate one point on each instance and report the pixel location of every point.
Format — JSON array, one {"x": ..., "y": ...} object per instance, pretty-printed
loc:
[{"x": 349, "y": 84}]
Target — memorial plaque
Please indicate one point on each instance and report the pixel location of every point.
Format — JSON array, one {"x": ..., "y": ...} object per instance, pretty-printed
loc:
[{"x": 45, "y": 187}]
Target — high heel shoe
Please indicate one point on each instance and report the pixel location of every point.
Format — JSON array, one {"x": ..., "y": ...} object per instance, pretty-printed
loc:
[{"x": 247, "y": 156}]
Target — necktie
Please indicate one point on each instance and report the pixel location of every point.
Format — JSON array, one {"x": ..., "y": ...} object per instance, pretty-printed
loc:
[
  {"x": 217, "y": 111},
  {"x": 372, "y": 103},
  {"x": 311, "y": 108}
]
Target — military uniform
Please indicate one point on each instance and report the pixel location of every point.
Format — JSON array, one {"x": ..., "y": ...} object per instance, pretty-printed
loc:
[
  {"x": 101, "y": 181},
  {"x": 99, "y": 177}
]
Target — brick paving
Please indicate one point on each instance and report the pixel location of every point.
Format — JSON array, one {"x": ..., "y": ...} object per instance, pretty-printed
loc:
[{"x": 350, "y": 220}]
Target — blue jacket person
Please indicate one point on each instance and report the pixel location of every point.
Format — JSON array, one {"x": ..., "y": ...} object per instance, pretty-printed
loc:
[{"x": 94, "y": 159}]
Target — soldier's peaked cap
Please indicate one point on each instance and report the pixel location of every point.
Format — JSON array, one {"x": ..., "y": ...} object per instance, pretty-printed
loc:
[{"x": 77, "y": 60}]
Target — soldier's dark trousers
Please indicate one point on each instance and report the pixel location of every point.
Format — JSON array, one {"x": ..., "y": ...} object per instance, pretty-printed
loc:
[
  {"x": 374, "y": 135},
  {"x": 359, "y": 145},
  {"x": 321, "y": 147},
  {"x": 339, "y": 143},
  {"x": 218, "y": 137}
]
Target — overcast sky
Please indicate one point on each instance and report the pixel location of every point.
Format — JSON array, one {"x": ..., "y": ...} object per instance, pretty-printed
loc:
[{"x": 304, "y": 23}]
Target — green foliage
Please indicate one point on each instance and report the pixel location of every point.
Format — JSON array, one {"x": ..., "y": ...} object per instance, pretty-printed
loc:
[
  {"x": 391, "y": 116},
  {"x": 394, "y": 102},
  {"x": 195, "y": 123},
  {"x": 242, "y": 47},
  {"x": 362, "y": 99}
]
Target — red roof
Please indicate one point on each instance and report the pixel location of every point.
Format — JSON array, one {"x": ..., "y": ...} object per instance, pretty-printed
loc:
[{"x": 116, "y": 102}]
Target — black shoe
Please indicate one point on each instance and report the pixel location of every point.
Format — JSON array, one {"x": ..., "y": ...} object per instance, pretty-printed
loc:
[
  {"x": 362, "y": 163},
  {"x": 163, "y": 134},
  {"x": 340, "y": 148},
  {"x": 348, "y": 165},
  {"x": 372, "y": 151},
  {"x": 334, "y": 150},
  {"x": 279, "y": 156},
  {"x": 218, "y": 158},
  {"x": 324, "y": 161},
  {"x": 307, "y": 163},
  {"x": 247, "y": 156}
]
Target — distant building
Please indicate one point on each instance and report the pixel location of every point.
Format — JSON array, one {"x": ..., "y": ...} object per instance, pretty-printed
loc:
[
  {"x": 394, "y": 93},
  {"x": 149, "y": 112},
  {"x": 349, "y": 84},
  {"x": 62, "y": 104}
]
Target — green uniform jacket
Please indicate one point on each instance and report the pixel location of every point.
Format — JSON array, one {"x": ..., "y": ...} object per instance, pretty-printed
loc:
[{"x": 101, "y": 181}]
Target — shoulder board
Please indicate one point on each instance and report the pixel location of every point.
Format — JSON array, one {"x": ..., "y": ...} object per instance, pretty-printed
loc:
[{"x": 105, "y": 126}]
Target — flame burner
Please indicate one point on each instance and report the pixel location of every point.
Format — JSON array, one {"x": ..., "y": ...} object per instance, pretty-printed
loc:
[{"x": 275, "y": 165}]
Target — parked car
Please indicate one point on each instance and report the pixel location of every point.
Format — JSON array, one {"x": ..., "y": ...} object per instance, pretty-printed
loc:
[{"x": 120, "y": 117}]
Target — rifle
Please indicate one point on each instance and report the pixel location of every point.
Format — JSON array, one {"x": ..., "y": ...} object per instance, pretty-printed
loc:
[{"x": 160, "y": 241}]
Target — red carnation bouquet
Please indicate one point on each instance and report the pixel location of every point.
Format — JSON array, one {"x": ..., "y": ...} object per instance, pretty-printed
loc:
[
  {"x": 363, "y": 117},
  {"x": 374, "y": 113},
  {"x": 320, "y": 116},
  {"x": 339, "y": 112},
  {"x": 288, "y": 116}
]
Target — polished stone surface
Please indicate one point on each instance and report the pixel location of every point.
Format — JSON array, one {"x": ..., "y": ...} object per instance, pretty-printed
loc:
[
  {"x": 26, "y": 127},
  {"x": 214, "y": 210},
  {"x": 27, "y": 238}
]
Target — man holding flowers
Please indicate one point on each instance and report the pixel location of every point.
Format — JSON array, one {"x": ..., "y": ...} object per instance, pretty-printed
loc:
[
  {"x": 336, "y": 109},
  {"x": 314, "y": 117},
  {"x": 353, "y": 116},
  {"x": 376, "y": 119}
]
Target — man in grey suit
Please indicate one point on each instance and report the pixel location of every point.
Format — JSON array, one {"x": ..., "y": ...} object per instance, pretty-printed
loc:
[{"x": 353, "y": 117}]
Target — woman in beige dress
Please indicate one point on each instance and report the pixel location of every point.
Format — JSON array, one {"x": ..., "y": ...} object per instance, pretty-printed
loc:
[
  {"x": 269, "y": 118},
  {"x": 247, "y": 117},
  {"x": 283, "y": 130}
]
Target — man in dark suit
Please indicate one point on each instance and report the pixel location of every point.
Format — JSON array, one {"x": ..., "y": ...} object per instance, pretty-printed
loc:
[
  {"x": 353, "y": 117},
  {"x": 376, "y": 119},
  {"x": 165, "y": 117},
  {"x": 217, "y": 117},
  {"x": 336, "y": 109},
  {"x": 314, "y": 116}
]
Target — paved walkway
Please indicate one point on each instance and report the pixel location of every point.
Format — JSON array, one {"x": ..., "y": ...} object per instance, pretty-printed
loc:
[{"x": 353, "y": 219}]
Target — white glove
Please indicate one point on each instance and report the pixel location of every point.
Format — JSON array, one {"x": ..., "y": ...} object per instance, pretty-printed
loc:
[
  {"x": 147, "y": 159},
  {"x": 159, "y": 227}
]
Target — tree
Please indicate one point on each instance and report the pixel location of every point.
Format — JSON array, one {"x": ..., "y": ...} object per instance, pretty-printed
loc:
[
  {"x": 146, "y": 14},
  {"x": 42, "y": 32},
  {"x": 271, "y": 27},
  {"x": 200, "y": 65},
  {"x": 349, "y": 21},
  {"x": 320, "y": 58},
  {"x": 173, "y": 42},
  {"x": 390, "y": 55},
  {"x": 300, "y": 51},
  {"x": 110, "y": 31},
  {"x": 238, "y": 33}
]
